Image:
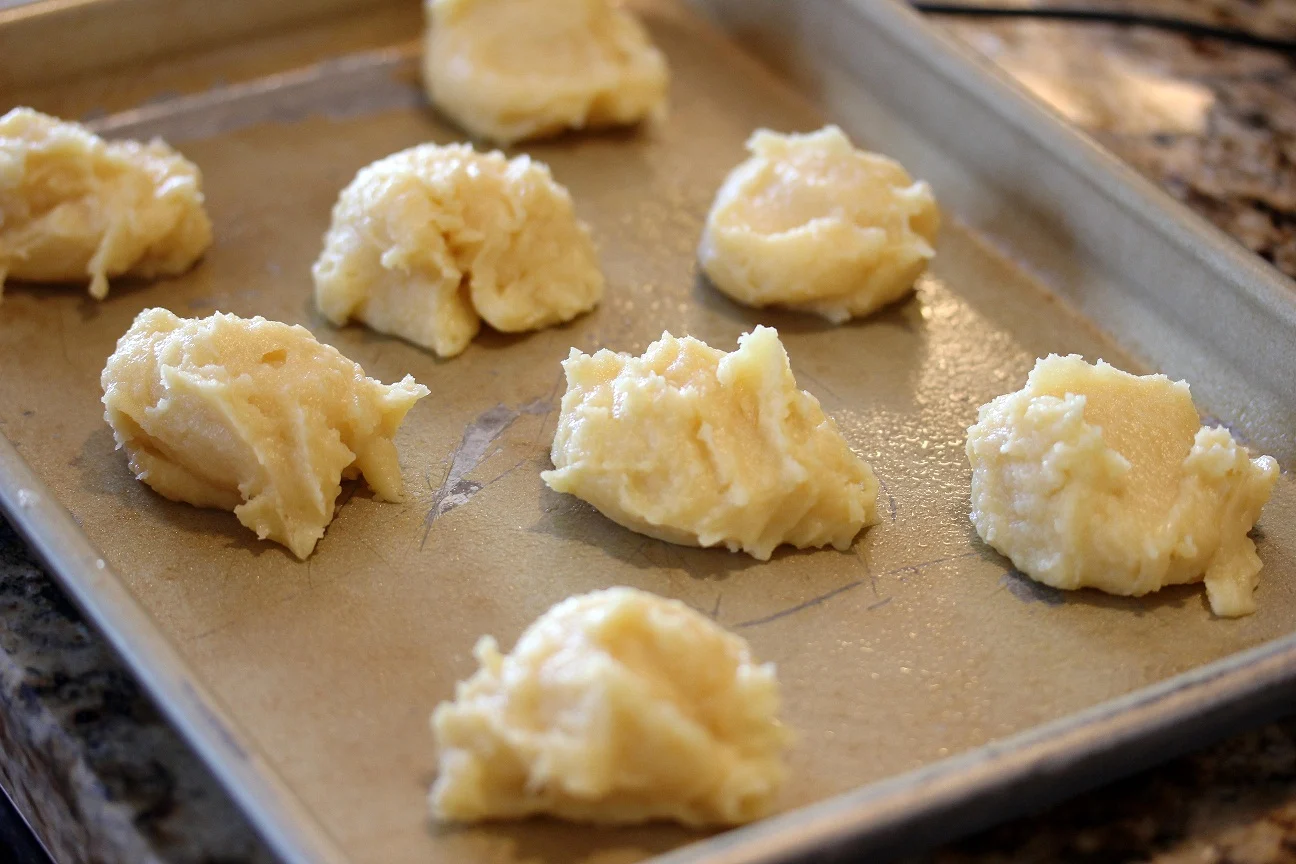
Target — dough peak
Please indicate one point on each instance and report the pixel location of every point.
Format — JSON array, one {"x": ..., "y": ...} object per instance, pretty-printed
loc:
[
  {"x": 75, "y": 207},
  {"x": 809, "y": 222},
  {"x": 1093, "y": 477},
  {"x": 253, "y": 416},
  {"x": 507, "y": 70},
  {"x": 695, "y": 446},
  {"x": 428, "y": 242},
  {"x": 617, "y": 707}
]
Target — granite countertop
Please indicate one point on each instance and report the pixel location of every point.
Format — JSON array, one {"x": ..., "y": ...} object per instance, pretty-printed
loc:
[
  {"x": 103, "y": 779},
  {"x": 1212, "y": 123}
]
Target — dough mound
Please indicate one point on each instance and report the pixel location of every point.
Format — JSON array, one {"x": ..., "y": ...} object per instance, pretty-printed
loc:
[
  {"x": 811, "y": 223},
  {"x": 615, "y": 707},
  {"x": 427, "y": 242},
  {"x": 506, "y": 70},
  {"x": 1092, "y": 477},
  {"x": 694, "y": 446},
  {"x": 73, "y": 206},
  {"x": 252, "y": 416}
]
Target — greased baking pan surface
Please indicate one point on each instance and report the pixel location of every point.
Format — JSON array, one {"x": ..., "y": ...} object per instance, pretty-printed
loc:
[{"x": 918, "y": 644}]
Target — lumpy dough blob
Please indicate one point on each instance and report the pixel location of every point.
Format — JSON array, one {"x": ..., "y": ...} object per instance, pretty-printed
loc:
[
  {"x": 615, "y": 707},
  {"x": 1092, "y": 477},
  {"x": 426, "y": 243},
  {"x": 811, "y": 223},
  {"x": 75, "y": 207},
  {"x": 252, "y": 416},
  {"x": 699, "y": 447},
  {"x": 506, "y": 70}
]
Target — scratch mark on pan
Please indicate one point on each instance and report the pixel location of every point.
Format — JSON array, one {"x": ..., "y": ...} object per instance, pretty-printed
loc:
[
  {"x": 890, "y": 498},
  {"x": 715, "y": 610},
  {"x": 506, "y": 473},
  {"x": 849, "y": 586},
  {"x": 814, "y": 601},
  {"x": 819, "y": 385},
  {"x": 377, "y": 553},
  {"x": 551, "y": 402},
  {"x": 869, "y": 575},
  {"x": 474, "y": 446}
]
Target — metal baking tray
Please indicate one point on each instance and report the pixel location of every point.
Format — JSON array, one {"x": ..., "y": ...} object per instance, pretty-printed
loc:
[{"x": 933, "y": 690}]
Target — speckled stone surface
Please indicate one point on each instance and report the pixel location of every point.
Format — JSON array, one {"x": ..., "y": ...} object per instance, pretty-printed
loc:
[
  {"x": 1136, "y": 90},
  {"x": 1234, "y": 803},
  {"x": 103, "y": 779},
  {"x": 1232, "y": 157},
  {"x": 97, "y": 773}
]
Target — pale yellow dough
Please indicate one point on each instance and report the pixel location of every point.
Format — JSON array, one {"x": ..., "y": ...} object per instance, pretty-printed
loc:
[
  {"x": 811, "y": 223},
  {"x": 427, "y": 242},
  {"x": 74, "y": 207},
  {"x": 1092, "y": 477},
  {"x": 618, "y": 707},
  {"x": 699, "y": 447},
  {"x": 252, "y": 416},
  {"x": 506, "y": 70}
]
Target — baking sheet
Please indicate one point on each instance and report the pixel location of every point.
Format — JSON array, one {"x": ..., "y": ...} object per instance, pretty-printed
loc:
[{"x": 917, "y": 645}]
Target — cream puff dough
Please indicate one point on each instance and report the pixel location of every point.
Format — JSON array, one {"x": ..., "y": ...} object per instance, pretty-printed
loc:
[
  {"x": 811, "y": 223},
  {"x": 506, "y": 70},
  {"x": 695, "y": 446},
  {"x": 615, "y": 707},
  {"x": 252, "y": 416},
  {"x": 428, "y": 242},
  {"x": 75, "y": 207},
  {"x": 1092, "y": 477}
]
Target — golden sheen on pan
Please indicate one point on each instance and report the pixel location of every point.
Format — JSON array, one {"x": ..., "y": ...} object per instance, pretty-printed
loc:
[
  {"x": 1093, "y": 477},
  {"x": 617, "y": 706},
  {"x": 252, "y": 416},
  {"x": 74, "y": 207},
  {"x": 695, "y": 446},
  {"x": 809, "y": 222},
  {"x": 512, "y": 69},
  {"x": 428, "y": 242}
]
